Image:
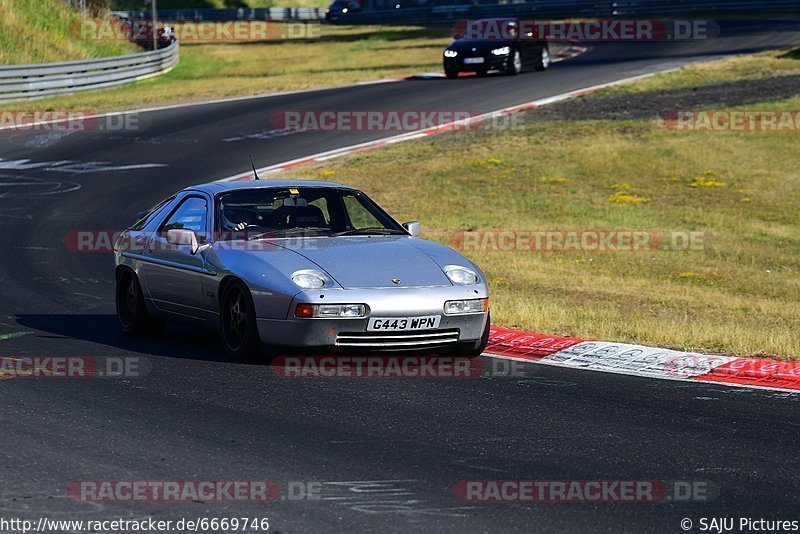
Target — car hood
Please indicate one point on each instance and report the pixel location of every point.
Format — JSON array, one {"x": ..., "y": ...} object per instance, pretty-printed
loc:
[
  {"x": 466, "y": 45},
  {"x": 373, "y": 261}
]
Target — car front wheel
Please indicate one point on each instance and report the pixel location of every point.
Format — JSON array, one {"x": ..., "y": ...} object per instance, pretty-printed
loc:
[
  {"x": 238, "y": 327},
  {"x": 544, "y": 59},
  {"x": 515, "y": 63}
]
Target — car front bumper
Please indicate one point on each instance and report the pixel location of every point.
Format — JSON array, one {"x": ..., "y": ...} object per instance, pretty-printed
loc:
[
  {"x": 490, "y": 62},
  {"x": 352, "y": 334}
]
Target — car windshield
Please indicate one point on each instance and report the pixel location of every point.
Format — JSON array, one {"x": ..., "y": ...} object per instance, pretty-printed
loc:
[
  {"x": 486, "y": 30},
  {"x": 262, "y": 213}
]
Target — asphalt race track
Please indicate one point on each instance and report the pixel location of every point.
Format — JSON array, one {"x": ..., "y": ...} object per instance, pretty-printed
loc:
[{"x": 196, "y": 416}]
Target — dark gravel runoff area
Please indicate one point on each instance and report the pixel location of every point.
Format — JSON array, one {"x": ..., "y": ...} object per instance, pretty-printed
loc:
[{"x": 655, "y": 104}]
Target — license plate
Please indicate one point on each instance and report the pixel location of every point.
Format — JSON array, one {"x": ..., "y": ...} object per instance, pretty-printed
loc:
[
  {"x": 472, "y": 60},
  {"x": 394, "y": 324}
]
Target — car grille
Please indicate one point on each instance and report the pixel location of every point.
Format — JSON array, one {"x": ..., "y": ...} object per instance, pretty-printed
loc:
[{"x": 397, "y": 340}]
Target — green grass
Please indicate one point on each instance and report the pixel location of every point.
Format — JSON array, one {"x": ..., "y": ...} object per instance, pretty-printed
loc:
[
  {"x": 38, "y": 31},
  {"x": 214, "y": 70},
  {"x": 739, "y": 294}
]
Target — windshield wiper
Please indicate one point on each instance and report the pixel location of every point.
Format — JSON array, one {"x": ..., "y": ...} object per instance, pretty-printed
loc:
[
  {"x": 272, "y": 234},
  {"x": 370, "y": 231}
]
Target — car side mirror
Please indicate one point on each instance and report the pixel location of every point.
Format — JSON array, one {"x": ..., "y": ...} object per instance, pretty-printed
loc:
[
  {"x": 413, "y": 227},
  {"x": 179, "y": 236}
]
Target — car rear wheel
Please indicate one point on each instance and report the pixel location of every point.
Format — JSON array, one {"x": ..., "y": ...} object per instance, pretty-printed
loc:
[
  {"x": 515, "y": 65},
  {"x": 474, "y": 350},
  {"x": 238, "y": 327},
  {"x": 132, "y": 312},
  {"x": 544, "y": 59}
]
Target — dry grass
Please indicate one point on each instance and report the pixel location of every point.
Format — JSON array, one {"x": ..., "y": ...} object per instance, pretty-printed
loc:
[{"x": 739, "y": 294}]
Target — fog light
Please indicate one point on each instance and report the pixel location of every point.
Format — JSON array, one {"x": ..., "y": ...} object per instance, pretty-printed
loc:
[
  {"x": 460, "y": 307},
  {"x": 331, "y": 311},
  {"x": 341, "y": 310}
]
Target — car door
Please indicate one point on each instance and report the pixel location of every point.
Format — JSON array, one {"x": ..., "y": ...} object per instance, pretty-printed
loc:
[{"x": 173, "y": 276}]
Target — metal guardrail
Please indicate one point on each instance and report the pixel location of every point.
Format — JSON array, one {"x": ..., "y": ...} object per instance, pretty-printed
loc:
[
  {"x": 437, "y": 14},
  {"x": 445, "y": 11},
  {"x": 284, "y": 14},
  {"x": 25, "y": 82}
]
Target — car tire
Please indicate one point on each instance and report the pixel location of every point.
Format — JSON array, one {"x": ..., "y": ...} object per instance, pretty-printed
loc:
[
  {"x": 544, "y": 59},
  {"x": 515, "y": 64},
  {"x": 451, "y": 73},
  {"x": 237, "y": 323},
  {"x": 132, "y": 312},
  {"x": 474, "y": 350}
]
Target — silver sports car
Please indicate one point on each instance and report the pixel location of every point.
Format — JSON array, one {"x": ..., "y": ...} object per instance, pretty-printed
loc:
[{"x": 297, "y": 264}]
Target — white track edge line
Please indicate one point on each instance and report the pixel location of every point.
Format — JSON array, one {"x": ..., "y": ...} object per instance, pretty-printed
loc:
[
  {"x": 167, "y": 107},
  {"x": 406, "y": 136},
  {"x": 241, "y": 98},
  {"x": 543, "y": 361}
]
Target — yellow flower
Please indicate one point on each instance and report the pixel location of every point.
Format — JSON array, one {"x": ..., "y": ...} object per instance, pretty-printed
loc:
[
  {"x": 625, "y": 198},
  {"x": 553, "y": 179},
  {"x": 702, "y": 181},
  {"x": 327, "y": 173}
]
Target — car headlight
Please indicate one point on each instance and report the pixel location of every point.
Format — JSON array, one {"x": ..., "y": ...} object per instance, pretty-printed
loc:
[
  {"x": 504, "y": 51},
  {"x": 308, "y": 279},
  {"x": 460, "y": 307},
  {"x": 461, "y": 276},
  {"x": 330, "y": 311},
  {"x": 450, "y": 53}
]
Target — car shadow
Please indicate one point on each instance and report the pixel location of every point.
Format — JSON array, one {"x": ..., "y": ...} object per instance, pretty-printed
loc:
[
  {"x": 177, "y": 341},
  {"x": 467, "y": 75}
]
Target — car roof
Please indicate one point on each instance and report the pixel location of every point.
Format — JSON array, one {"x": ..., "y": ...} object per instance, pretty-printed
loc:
[
  {"x": 215, "y": 188},
  {"x": 498, "y": 19}
]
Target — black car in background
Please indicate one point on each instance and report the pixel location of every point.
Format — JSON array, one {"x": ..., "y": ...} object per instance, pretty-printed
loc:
[
  {"x": 480, "y": 49},
  {"x": 340, "y": 8}
]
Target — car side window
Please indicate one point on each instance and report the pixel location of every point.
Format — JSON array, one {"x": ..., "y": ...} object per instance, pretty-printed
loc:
[
  {"x": 192, "y": 214},
  {"x": 322, "y": 204}
]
